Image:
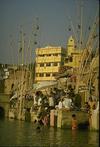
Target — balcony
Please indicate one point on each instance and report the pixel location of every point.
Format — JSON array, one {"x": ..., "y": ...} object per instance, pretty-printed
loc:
[
  {"x": 47, "y": 69},
  {"x": 47, "y": 59}
]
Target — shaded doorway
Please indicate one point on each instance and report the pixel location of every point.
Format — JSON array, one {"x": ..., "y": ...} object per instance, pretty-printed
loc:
[{"x": 2, "y": 112}]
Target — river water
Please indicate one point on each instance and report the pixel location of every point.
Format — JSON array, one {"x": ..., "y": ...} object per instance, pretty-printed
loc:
[{"x": 20, "y": 133}]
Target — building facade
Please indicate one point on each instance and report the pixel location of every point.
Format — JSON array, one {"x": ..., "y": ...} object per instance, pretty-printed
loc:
[
  {"x": 17, "y": 79},
  {"x": 48, "y": 61}
]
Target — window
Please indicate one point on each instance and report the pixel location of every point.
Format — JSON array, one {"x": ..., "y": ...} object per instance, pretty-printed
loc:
[
  {"x": 48, "y": 64},
  {"x": 42, "y": 65},
  {"x": 41, "y": 75},
  {"x": 48, "y": 55},
  {"x": 56, "y": 54},
  {"x": 66, "y": 60},
  {"x": 41, "y": 55},
  {"x": 47, "y": 74},
  {"x": 54, "y": 74},
  {"x": 70, "y": 59},
  {"x": 55, "y": 64}
]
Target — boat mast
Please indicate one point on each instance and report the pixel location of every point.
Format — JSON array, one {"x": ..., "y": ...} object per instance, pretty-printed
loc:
[
  {"x": 33, "y": 42},
  {"x": 87, "y": 55},
  {"x": 21, "y": 84}
]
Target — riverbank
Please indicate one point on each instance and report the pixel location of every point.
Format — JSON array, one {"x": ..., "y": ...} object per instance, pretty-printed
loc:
[{"x": 21, "y": 133}]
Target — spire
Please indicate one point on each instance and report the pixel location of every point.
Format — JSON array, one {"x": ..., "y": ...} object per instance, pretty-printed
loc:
[{"x": 70, "y": 45}]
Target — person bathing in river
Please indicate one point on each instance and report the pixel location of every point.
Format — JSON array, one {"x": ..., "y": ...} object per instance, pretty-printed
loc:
[
  {"x": 38, "y": 123},
  {"x": 74, "y": 122},
  {"x": 45, "y": 120}
]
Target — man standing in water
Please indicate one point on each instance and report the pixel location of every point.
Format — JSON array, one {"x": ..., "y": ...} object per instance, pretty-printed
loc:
[{"x": 74, "y": 122}]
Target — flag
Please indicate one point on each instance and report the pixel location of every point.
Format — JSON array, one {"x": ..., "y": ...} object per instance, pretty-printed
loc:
[
  {"x": 20, "y": 50},
  {"x": 37, "y": 27},
  {"x": 79, "y": 26}
]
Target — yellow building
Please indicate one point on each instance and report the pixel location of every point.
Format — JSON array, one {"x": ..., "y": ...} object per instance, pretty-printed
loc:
[
  {"x": 48, "y": 61},
  {"x": 73, "y": 57}
]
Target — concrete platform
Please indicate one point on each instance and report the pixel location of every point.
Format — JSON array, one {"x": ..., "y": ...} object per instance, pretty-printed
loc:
[{"x": 65, "y": 116}]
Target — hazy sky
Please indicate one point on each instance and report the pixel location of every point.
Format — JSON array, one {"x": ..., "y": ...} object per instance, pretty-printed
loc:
[{"x": 55, "y": 17}]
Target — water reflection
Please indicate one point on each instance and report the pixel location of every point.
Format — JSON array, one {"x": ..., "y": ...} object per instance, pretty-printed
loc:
[
  {"x": 93, "y": 138},
  {"x": 13, "y": 132},
  {"x": 74, "y": 135}
]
